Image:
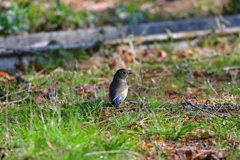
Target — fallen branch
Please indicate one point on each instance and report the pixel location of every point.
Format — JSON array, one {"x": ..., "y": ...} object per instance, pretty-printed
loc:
[
  {"x": 18, "y": 101},
  {"x": 191, "y": 104},
  {"x": 226, "y": 69},
  {"x": 25, "y": 90},
  {"x": 213, "y": 55}
]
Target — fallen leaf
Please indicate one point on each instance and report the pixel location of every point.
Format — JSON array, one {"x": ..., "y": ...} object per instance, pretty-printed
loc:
[
  {"x": 87, "y": 88},
  {"x": 198, "y": 73},
  {"x": 186, "y": 53},
  {"x": 210, "y": 154},
  {"x": 161, "y": 53},
  {"x": 147, "y": 145},
  {"x": 189, "y": 91},
  {"x": 147, "y": 5},
  {"x": 117, "y": 62},
  {"x": 5, "y": 77},
  {"x": 38, "y": 67},
  {"x": 127, "y": 58},
  {"x": 150, "y": 155},
  {"x": 92, "y": 5}
]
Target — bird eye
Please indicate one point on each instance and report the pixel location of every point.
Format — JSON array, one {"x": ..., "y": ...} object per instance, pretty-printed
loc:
[{"x": 124, "y": 72}]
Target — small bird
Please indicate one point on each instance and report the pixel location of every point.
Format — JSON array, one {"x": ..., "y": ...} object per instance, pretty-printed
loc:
[{"x": 118, "y": 89}]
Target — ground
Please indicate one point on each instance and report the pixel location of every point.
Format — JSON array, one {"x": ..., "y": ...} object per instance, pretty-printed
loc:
[
  {"x": 182, "y": 104},
  {"x": 65, "y": 112}
]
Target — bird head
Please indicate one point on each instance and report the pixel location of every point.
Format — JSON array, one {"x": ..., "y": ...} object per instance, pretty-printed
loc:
[{"x": 122, "y": 74}]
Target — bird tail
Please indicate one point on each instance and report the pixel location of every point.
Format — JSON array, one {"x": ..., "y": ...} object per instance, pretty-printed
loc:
[{"x": 116, "y": 102}]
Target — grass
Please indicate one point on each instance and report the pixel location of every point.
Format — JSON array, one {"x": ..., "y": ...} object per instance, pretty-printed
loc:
[
  {"x": 74, "y": 124},
  {"x": 40, "y": 15}
]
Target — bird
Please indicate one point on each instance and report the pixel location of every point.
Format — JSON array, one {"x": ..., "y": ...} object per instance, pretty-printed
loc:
[{"x": 118, "y": 88}]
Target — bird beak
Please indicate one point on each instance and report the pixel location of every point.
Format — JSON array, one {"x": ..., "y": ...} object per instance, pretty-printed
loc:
[{"x": 129, "y": 72}]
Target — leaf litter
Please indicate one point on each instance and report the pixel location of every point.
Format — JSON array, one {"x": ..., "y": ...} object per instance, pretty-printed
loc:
[{"x": 153, "y": 82}]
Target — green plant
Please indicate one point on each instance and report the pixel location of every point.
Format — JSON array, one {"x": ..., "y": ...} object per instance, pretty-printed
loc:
[{"x": 13, "y": 20}]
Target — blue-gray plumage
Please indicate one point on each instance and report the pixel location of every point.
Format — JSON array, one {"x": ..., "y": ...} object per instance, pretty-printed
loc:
[{"x": 118, "y": 89}]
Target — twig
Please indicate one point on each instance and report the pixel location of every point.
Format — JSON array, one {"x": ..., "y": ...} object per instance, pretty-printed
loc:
[
  {"x": 214, "y": 54},
  {"x": 226, "y": 69},
  {"x": 212, "y": 87},
  {"x": 71, "y": 81},
  {"x": 115, "y": 151},
  {"x": 217, "y": 94},
  {"x": 218, "y": 108},
  {"x": 132, "y": 101},
  {"x": 17, "y": 101},
  {"x": 141, "y": 74},
  {"x": 49, "y": 143},
  {"x": 8, "y": 143},
  {"x": 140, "y": 99},
  {"x": 24, "y": 90},
  {"x": 190, "y": 103},
  {"x": 106, "y": 120},
  {"x": 43, "y": 83},
  {"x": 190, "y": 83},
  {"x": 133, "y": 49}
]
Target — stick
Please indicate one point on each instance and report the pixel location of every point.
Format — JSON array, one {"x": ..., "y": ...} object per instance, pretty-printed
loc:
[
  {"x": 17, "y": 101},
  {"x": 142, "y": 76},
  {"x": 212, "y": 88},
  {"x": 115, "y": 151},
  {"x": 43, "y": 83},
  {"x": 190, "y": 103},
  {"x": 25, "y": 90},
  {"x": 49, "y": 143}
]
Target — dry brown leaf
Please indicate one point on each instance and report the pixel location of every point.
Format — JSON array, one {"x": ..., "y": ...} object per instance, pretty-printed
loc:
[
  {"x": 5, "y": 77},
  {"x": 37, "y": 67},
  {"x": 87, "y": 88},
  {"x": 147, "y": 145},
  {"x": 186, "y": 53},
  {"x": 117, "y": 62},
  {"x": 127, "y": 58},
  {"x": 158, "y": 138},
  {"x": 93, "y": 5},
  {"x": 211, "y": 154},
  {"x": 190, "y": 90},
  {"x": 147, "y": 5},
  {"x": 198, "y": 73},
  {"x": 161, "y": 53},
  {"x": 238, "y": 147},
  {"x": 150, "y": 155}
]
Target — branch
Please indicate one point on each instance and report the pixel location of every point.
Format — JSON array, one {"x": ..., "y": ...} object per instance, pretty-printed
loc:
[
  {"x": 212, "y": 87},
  {"x": 17, "y": 101},
  {"x": 191, "y": 104}
]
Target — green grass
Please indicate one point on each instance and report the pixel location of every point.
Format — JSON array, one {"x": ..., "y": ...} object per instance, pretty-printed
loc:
[
  {"x": 73, "y": 125},
  {"x": 40, "y": 15}
]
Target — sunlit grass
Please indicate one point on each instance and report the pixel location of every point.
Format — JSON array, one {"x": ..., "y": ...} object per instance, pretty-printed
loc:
[{"x": 72, "y": 124}]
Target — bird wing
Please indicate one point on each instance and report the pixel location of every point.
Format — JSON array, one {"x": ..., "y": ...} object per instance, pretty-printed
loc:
[{"x": 116, "y": 90}]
